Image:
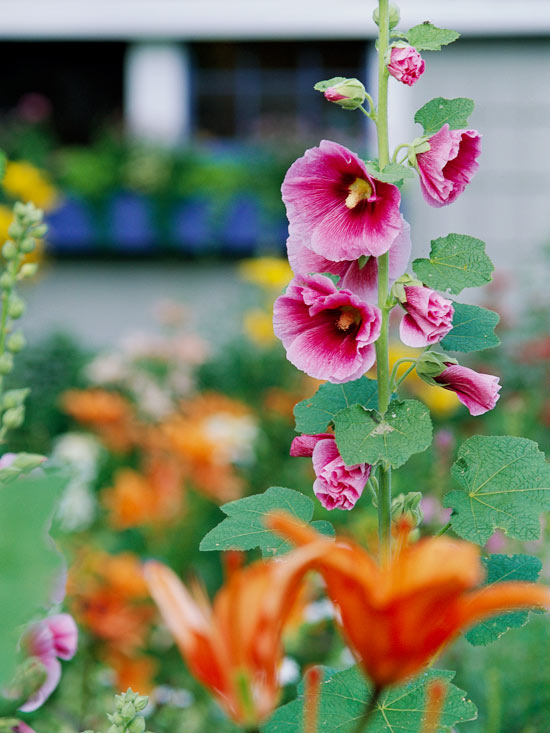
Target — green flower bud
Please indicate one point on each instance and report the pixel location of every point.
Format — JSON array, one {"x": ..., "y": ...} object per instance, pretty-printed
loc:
[
  {"x": 28, "y": 244},
  {"x": 137, "y": 726},
  {"x": 13, "y": 418},
  {"x": 9, "y": 250},
  {"x": 6, "y": 363},
  {"x": 395, "y": 16},
  {"x": 348, "y": 93},
  {"x": 15, "y": 230},
  {"x": 40, "y": 230},
  {"x": 430, "y": 364},
  {"x": 19, "y": 209},
  {"x": 6, "y": 280},
  {"x": 15, "y": 397},
  {"x": 128, "y": 711},
  {"x": 29, "y": 269},
  {"x": 16, "y": 307},
  {"x": 398, "y": 288},
  {"x": 16, "y": 342},
  {"x": 141, "y": 702},
  {"x": 407, "y": 505}
]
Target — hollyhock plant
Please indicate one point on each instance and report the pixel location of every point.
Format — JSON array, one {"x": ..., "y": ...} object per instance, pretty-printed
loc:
[
  {"x": 337, "y": 486},
  {"x": 361, "y": 280},
  {"x": 397, "y": 616},
  {"x": 405, "y": 64},
  {"x": 327, "y": 333},
  {"x": 479, "y": 392},
  {"x": 449, "y": 165},
  {"x": 337, "y": 208},
  {"x": 49, "y": 640},
  {"x": 429, "y": 317}
]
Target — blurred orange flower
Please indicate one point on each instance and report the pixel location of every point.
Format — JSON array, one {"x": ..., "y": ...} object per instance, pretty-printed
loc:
[
  {"x": 106, "y": 412},
  {"x": 234, "y": 646},
  {"x": 137, "y": 672},
  {"x": 398, "y": 615}
]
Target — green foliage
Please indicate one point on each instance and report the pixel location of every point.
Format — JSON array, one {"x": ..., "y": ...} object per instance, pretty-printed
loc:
[
  {"x": 500, "y": 568},
  {"x": 343, "y": 700},
  {"x": 244, "y": 527},
  {"x": 473, "y": 329},
  {"x": 393, "y": 173},
  {"x": 29, "y": 563},
  {"x": 456, "y": 261},
  {"x": 505, "y": 484},
  {"x": 426, "y": 37},
  {"x": 314, "y": 414},
  {"x": 440, "y": 111},
  {"x": 364, "y": 436},
  {"x": 3, "y": 164}
]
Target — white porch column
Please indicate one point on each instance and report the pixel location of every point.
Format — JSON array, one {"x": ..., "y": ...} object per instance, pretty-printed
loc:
[{"x": 157, "y": 92}]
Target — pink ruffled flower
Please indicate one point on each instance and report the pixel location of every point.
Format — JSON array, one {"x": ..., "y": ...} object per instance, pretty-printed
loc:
[
  {"x": 406, "y": 64},
  {"x": 479, "y": 392},
  {"x": 336, "y": 208},
  {"x": 429, "y": 317},
  {"x": 449, "y": 165},
  {"x": 361, "y": 281},
  {"x": 54, "y": 638},
  {"x": 337, "y": 486},
  {"x": 327, "y": 333}
]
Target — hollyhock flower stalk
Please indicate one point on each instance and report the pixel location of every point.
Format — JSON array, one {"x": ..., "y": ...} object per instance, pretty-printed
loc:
[{"x": 398, "y": 614}]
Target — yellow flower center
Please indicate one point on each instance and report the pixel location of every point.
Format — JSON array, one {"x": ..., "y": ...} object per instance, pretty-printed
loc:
[
  {"x": 347, "y": 319},
  {"x": 359, "y": 190}
]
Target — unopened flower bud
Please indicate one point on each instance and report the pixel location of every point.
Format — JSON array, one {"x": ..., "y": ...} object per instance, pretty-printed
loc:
[
  {"x": 29, "y": 269},
  {"x": 348, "y": 93},
  {"x": 128, "y": 711},
  {"x": 14, "y": 397},
  {"x": 6, "y": 363},
  {"x": 40, "y": 230},
  {"x": 405, "y": 63},
  {"x": 28, "y": 244},
  {"x": 16, "y": 307},
  {"x": 9, "y": 250},
  {"x": 430, "y": 364},
  {"x": 13, "y": 418},
  {"x": 15, "y": 230},
  {"x": 6, "y": 280},
  {"x": 408, "y": 506},
  {"x": 16, "y": 342},
  {"x": 141, "y": 702},
  {"x": 137, "y": 726},
  {"x": 398, "y": 288},
  {"x": 395, "y": 16}
]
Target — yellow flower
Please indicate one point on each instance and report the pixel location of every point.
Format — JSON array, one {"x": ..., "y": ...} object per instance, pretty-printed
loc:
[
  {"x": 24, "y": 181},
  {"x": 270, "y": 273},
  {"x": 5, "y": 220},
  {"x": 258, "y": 326}
]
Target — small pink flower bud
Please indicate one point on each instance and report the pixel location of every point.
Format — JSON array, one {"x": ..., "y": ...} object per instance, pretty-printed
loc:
[
  {"x": 348, "y": 93},
  {"x": 429, "y": 317},
  {"x": 405, "y": 63}
]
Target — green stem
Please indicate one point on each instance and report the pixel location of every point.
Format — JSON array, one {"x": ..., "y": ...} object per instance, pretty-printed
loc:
[
  {"x": 396, "y": 366},
  {"x": 382, "y": 345},
  {"x": 444, "y": 529},
  {"x": 397, "y": 149}
]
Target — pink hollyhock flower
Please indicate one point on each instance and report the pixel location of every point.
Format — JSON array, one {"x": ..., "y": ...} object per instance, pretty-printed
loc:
[
  {"x": 337, "y": 208},
  {"x": 406, "y": 64},
  {"x": 479, "y": 392},
  {"x": 363, "y": 281},
  {"x": 337, "y": 486},
  {"x": 49, "y": 640},
  {"x": 429, "y": 317},
  {"x": 449, "y": 165},
  {"x": 21, "y": 727},
  {"x": 327, "y": 333}
]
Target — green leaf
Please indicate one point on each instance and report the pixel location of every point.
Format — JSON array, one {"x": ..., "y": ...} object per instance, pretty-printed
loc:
[
  {"x": 314, "y": 414},
  {"x": 426, "y": 37},
  {"x": 439, "y": 111},
  {"x": 344, "y": 695},
  {"x": 3, "y": 165},
  {"x": 30, "y": 565},
  {"x": 505, "y": 484},
  {"x": 244, "y": 528},
  {"x": 457, "y": 261},
  {"x": 500, "y": 568},
  {"x": 364, "y": 436},
  {"x": 392, "y": 173},
  {"x": 473, "y": 329},
  {"x": 334, "y": 278}
]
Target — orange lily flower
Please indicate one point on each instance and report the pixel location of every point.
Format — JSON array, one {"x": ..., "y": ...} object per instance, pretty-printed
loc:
[
  {"x": 234, "y": 646},
  {"x": 398, "y": 615}
]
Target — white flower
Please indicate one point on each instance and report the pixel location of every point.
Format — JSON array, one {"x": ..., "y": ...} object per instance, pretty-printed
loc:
[
  {"x": 233, "y": 435},
  {"x": 289, "y": 671}
]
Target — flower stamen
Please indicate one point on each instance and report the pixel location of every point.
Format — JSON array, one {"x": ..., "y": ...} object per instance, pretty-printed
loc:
[{"x": 359, "y": 190}]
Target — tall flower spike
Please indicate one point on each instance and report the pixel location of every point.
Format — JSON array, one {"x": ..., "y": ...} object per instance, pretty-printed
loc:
[
  {"x": 338, "y": 209},
  {"x": 398, "y": 615},
  {"x": 234, "y": 646}
]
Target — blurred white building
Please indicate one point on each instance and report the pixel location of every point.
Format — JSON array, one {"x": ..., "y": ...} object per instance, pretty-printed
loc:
[{"x": 502, "y": 62}]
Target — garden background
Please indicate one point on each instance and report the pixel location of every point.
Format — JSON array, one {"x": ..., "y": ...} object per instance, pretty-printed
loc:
[{"x": 155, "y": 135}]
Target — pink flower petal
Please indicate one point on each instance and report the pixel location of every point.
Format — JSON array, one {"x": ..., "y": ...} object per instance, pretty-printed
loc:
[
  {"x": 53, "y": 675},
  {"x": 477, "y": 391}
]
